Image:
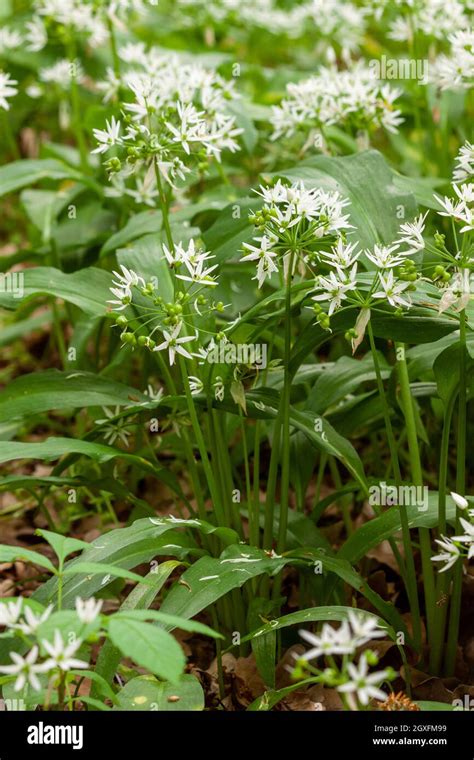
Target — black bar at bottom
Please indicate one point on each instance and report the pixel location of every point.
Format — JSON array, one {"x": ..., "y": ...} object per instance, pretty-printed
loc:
[{"x": 374, "y": 734}]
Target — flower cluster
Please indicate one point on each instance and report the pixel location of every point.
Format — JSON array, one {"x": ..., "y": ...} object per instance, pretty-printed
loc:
[
  {"x": 333, "y": 22},
  {"x": 390, "y": 279},
  {"x": 456, "y": 70},
  {"x": 339, "y": 23},
  {"x": 352, "y": 99},
  {"x": 455, "y": 547},
  {"x": 7, "y": 90},
  {"x": 293, "y": 222},
  {"x": 66, "y": 25},
  {"x": 173, "y": 319},
  {"x": 352, "y": 680},
  {"x": 433, "y": 19},
  {"x": 21, "y": 621},
  {"x": 459, "y": 209},
  {"x": 265, "y": 14},
  {"x": 175, "y": 120},
  {"x": 52, "y": 17},
  {"x": 88, "y": 21}
]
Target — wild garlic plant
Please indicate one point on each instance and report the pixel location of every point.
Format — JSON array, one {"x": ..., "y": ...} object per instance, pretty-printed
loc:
[
  {"x": 236, "y": 334},
  {"x": 331, "y": 661},
  {"x": 352, "y": 99},
  {"x": 51, "y": 662},
  {"x": 174, "y": 121},
  {"x": 457, "y": 547}
]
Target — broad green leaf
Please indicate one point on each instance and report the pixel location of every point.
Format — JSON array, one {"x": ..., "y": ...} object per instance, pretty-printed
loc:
[
  {"x": 44, "y": 391},
  {"x": 231, "y": 229},
  {"x": 263, "y": 647},
  {"x": 241, "y": 111},
  {"x": 304, "y": 617},
  {"x": 269, "y": 699},
  {"x": 146, "y": 693},
  {"x": 210, "y": 578},
  {"x": 91, "y": 702},
  {"x": 62, "y": 545},
  {"x": 380, "y": 528},
  {"x": 170, "y": 621},
  {"x": 127, "y": 548},
  {"x": 320, "y": 434},
  {"x": 423, "y": 188},
  {"x": 140, "y": 224},
  {"x": 421, "y": 358},
  {"x": 87, "y": 229},
  {"x": 88, "y": 288},
  {"x": 445, "y": 370},
  {"x": 105, "y": 570},
  {"x": 43, "y": 206},
  {"x": 28, "y": 172},
  {"x": 367, "y": 181},
  {"x": 149, "y": 222},
  {"x": 103, "y": 688},
  {"x": 419, "y": 326},
  {"x": 342, "y": 378},
  {"x": 344, "y": 570},
  {"x": 145, "y": 256},
  {"x": 54, "y": 448},
  {"x": 19, "y": 554},
  {"x": 15, "y": 330},
  {"x": 149, "y": 646},
  {"x": 34, "y": 483},
  {"x": 141, "y": 597},
  {"x": 67, "y": 623}
]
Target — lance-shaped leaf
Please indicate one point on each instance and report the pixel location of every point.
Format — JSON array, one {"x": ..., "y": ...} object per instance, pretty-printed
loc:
[
  {"x": 45, "y": 391},
  {"x": 87, "y": 288},
  {"x": 54, "y": 448}
]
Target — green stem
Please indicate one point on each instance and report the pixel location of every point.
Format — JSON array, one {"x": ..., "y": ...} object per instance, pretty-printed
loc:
[
  {"x": 58, "y": 334},
  {"x": 201, "y": 445},
  {"x": 323, "y": 460},
  {"x": 256, "y": 480},
  {"x": 77, "y": 115},
  {"x": 8, "y": 134},
  {"x": 285, "y": 453},
  {"x": 226, "y": 466},
  {"x": 417, "y": 478},
  {"x": 252, "y": 512},
  {"x": 113, "y": 47},
  {"x": 409, "y": 564},
  {"x": 164, "y": 207},
  {"x": 343, "y": 501},
  {"x": 443, "y": 578},
  {"x": 59, "y": 574},
  {"x": 271, "y": 483},
  {"x": 256, "y": 454},
  {"x": 455, "y": 611}
]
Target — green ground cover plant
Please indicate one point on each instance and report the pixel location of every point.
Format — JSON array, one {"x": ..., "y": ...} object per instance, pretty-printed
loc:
[{"x": 236, "y": 326}]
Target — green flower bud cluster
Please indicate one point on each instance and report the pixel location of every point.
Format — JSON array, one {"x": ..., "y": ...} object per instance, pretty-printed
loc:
[
  {"x": 262, "y": 217},
  {"x": 322, "y": 317},
  {"x": 351, "y": 334},
  {"x": 407, "y": 271},
  {"x": 440, "y": 274}
]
